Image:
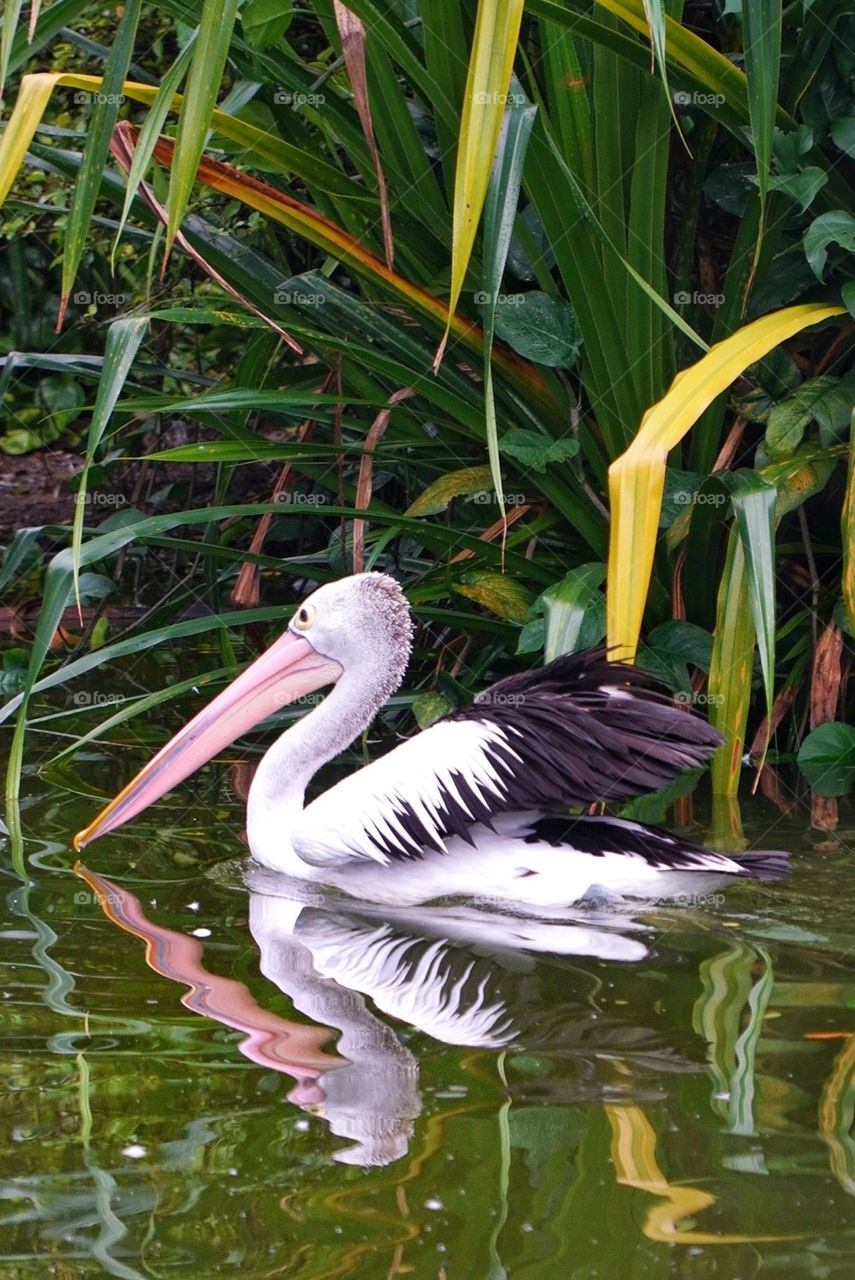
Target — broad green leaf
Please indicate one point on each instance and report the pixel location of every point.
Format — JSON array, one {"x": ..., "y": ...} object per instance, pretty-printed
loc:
[
  {"x": 503, "y": 596},
  {"x": 535, "y": 451},
  {"x": 637, "y": 478},
  {"x": 827, "y": 758},
  {"x": 430, "y": 707},
  {"x": 836, "y": 227},
  {"x": 265, "y": 22},
  {"x": 194, "y": 120},
  {"x": 541, "y": 328},
  {"x": 575, "y": 611},
  {"x": 491, "y": 61},
  {"x": 803, "y": 187},
  {"x": 843, "y": 134},
  {"x": 437, "y": 496},
  {"x": 825, "y": 400}
]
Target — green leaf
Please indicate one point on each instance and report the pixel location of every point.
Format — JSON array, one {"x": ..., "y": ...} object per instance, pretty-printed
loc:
[
  {"x": 500, "y": 209},
  {"x": 843, "y": 134},
  {"x": 265, "y": 22},
  {"x": 535, "y": 451},
  {"x": 203, "y": 82},
  {"x": 803, "y": 187},
  {"x": 825, "y": 400},
  {"x": 97, "y": 147},
  {"x": 455, "y": 484},
  {"x": 540, "y": 328},
  {"x": 827, "y": 758},
  {"x": 761, "y": 44},
  {"x": 123, "y": 340},
  {"x": 836, "y": 227},
  {"x": 575, "y": 611},
  {"x": 430, "y": 707},
  {"x": 63, "y": 398},
  {"x": 754, "y": 504}
]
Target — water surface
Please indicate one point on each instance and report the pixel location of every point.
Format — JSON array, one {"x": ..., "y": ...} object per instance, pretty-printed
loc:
[{"x": 202, "y": 1077}]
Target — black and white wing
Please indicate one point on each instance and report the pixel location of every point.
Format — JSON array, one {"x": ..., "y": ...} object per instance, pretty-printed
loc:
[{"x": 578, "y": 731}]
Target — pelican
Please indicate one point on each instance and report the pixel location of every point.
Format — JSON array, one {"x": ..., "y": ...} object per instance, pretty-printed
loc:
[{"x": 477, "y": 806}]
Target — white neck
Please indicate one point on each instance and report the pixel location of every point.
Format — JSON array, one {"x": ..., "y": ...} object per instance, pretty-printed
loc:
[{"x": 278, "y": 789}]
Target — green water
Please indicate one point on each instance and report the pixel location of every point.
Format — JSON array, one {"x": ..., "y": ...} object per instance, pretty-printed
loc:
[{"x": 688, "y": 1112}]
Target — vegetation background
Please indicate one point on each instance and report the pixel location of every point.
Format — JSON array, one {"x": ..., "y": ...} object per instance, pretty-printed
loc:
[{"x": 294, "y": 291}]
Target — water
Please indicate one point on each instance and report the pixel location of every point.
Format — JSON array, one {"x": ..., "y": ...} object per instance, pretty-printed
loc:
[{"x": 203, "y": 1079}]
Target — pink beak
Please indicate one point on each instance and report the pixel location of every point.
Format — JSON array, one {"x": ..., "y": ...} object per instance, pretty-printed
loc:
[{"x": 289, "y": 669}]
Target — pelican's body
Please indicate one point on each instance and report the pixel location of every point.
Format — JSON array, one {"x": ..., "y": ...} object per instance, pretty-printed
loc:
[{"x": 475, "y": 806}]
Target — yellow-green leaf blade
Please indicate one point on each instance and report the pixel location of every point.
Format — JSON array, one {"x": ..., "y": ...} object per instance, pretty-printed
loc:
[{"x": 491, "y": 62}]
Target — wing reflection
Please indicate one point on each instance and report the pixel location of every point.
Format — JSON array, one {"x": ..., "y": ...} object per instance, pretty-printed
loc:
[{"x": 460, "y": 975}]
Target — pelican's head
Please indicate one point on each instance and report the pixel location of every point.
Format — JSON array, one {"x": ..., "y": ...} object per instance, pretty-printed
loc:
[{"x": 359, "y": 625}]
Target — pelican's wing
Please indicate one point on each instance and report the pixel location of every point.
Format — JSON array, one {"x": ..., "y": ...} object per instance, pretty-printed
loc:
[{"x": 578, "y": 731}]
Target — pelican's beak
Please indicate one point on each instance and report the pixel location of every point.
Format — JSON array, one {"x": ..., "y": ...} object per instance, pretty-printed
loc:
[{"x": 289, "y": 669}]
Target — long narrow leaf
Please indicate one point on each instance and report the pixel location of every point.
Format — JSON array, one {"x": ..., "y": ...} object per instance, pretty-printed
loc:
[
  {"x": 637, "y": 478},
  {"x": 491, "y": 62},
  {"x": 499, "y": 212},
  {"x": 761, "y": 43},
  {"x": 123, "y": 340},
  {"x": 97, "y": 148},
  {"x": 203, "y": 83}
]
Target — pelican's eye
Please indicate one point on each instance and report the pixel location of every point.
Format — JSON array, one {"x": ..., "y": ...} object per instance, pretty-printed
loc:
[{"x": 304, "y": 617}]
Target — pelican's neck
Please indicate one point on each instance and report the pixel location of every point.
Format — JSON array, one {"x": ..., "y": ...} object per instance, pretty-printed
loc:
[{"x": 278, "y": 789}]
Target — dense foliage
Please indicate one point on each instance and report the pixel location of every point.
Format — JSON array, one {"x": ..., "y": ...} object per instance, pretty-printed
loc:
[{"x": 667, "y": 179}]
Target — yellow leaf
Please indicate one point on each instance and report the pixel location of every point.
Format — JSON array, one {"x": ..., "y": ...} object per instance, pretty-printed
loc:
[
  {"x": 491, "y": 62},
  {"x": 637, "y": 477},
  {"x": 455, "y": 484},
  {"x": 503, "y": 596}
]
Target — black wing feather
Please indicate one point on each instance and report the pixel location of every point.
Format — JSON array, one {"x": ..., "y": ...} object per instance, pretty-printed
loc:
[{"x": 588, "y": 730}]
